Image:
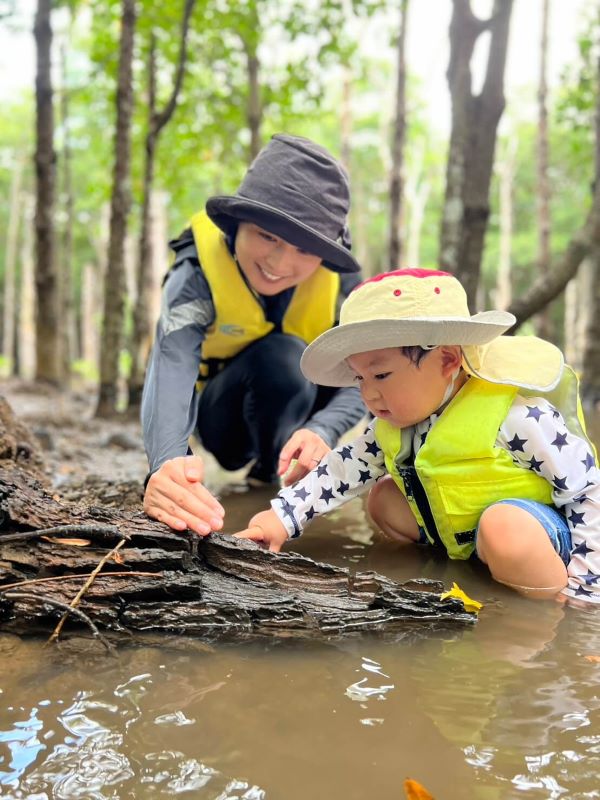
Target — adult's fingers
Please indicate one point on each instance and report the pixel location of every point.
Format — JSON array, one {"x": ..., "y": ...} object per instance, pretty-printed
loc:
[{"x": 173, "y": 499}]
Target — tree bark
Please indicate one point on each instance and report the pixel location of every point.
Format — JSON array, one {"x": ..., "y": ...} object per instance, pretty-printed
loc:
[
  {"x": 10, "y": 260},
  {"x": 472, "y": 140},
  {"x": 543, "y": 184},
  {"x": 590, "y": 383},
  {"x": 210, "y": 587},
  {"x": 417, "y": 189},
  {"x": 142, "y": 323},
  {"x": 398, "y": 139},
  {"x": 26, "y": 350},
  {"x": 48, "y": 361},
  {"x": 254, "y": 108},
  {"x": 114, "y": 287},
  {"x": 67, "y": 315},
  {"x": 506, "y": 170}
]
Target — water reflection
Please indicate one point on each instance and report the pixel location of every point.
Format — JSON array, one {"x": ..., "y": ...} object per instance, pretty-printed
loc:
[{"x": 507, "y": 709}]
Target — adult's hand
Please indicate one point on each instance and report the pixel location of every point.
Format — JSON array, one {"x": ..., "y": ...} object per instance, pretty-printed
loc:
[
  {"x": 176, "y": 496},
  {"x": 267, "y": 529},
  {"x": 307, "y": 448}
]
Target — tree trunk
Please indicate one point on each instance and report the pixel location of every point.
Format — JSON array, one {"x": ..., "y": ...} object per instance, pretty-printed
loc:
[
  {"x": 10, "y": 259},
  {"x": 67, "y": 316},
  {"x": 205, "y": 587},
  {"x": 579, "y": 296},
  {"x": 506, "y": 170},
  {"x": 546, "y": 288},
  {"x": 141, "y": 340},
  {"x": 114, "y": 286},
  {"x": 398, "y": 139},
  {"x": 91, "y": 309},
  {"x": 416, "y": 192},
  {"x": 543, "y": 184},
  {"x": 47, "y": 331},
  {"x": 590, "y": 383},
  {"x": 254, "y": 109},
  {"x": 472, "y": 141},
  {"x": 26, "y": 350}
]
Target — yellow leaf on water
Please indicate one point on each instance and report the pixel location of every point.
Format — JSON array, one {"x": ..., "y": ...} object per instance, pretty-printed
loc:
[
  {"x": 414, "y": 791},
  {"x": 74, "y": 542},
  {"x": 468, "y": 602}
]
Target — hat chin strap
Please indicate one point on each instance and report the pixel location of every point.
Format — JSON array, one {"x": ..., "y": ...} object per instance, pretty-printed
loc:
[{"x": 449, "y": 389}]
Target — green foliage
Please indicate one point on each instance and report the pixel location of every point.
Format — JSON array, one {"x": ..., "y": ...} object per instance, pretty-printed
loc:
[{"x": 306, "y": 49}]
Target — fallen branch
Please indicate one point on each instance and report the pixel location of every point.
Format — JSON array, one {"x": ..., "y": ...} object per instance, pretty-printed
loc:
[{"x": 77, "y": 599}]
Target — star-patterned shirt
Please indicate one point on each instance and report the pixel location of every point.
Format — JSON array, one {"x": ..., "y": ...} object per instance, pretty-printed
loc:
[{"x": 536, "y": 436}]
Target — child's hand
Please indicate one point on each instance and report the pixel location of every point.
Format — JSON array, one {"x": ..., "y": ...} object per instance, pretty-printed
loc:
[{"x": 267, "y": 529}]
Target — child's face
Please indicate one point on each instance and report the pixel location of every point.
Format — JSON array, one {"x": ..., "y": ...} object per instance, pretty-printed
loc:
[
  {"x": 269, "y": 263},
  {"x": 395, "y": 389}
]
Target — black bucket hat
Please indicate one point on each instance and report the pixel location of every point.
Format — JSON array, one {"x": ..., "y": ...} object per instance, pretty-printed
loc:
[{"x": 298, "y": 191}]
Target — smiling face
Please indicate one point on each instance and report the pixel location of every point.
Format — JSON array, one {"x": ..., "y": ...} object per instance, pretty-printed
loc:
[
  {"x": 399, "y": 391},
  {"x": 269, "y": 263}
]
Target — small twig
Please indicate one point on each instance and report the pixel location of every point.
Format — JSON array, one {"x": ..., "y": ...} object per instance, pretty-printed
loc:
[
  {"x": 104, "y": 531},
  {"x": 71, "y": 576},
  {"x": 76, "y": 600},
  {"x": 48, "y": 601}
]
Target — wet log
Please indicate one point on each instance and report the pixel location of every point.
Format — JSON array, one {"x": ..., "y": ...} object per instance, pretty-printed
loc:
[{"x": 208, "y": 588}]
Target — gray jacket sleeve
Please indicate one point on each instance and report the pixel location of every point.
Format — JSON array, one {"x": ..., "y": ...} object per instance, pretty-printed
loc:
[
  {"x": 342, "y": 412},
  {"x": 170, "y": 400}
]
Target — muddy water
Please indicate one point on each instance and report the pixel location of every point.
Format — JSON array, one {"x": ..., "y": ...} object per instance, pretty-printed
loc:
[{"x": 507, "y": 709}]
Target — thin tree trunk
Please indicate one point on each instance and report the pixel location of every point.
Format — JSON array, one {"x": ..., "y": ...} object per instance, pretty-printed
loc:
[
  {"x": 416, "y": 191},
  {"x": 12, "y": 240},
  {"x": 582, "y": 243},
  {"x": 543, "y": 185},
  {"x": 506, "y": 170},
  {"x": 47, "y": 335},
  {"x": 473, "y": 139},
  {"x": 398, "y": 138},
  {"x": 67, "y": 319},
  {"x": 142, "y": 322},
  {"x": 590, "y": 383},
  {"x": 254, "y": 104},
  {"x": 26, "y": 339},
  {"x": 579, "y": 296},
  {"x": 254, "y": 109},
  {"x": 114, "y": 289},
  {"x": 91, "y": 310}
]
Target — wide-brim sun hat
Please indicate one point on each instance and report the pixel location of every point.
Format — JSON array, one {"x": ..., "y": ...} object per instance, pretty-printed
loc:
[
  {"x": 397, "y": 309},
  {"x": 298, "y": 191}
]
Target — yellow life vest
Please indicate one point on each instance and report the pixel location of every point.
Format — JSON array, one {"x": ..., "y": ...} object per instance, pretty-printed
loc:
[
  {"x": 459, "y": 467},
  {"x": 239, "y": 316}
]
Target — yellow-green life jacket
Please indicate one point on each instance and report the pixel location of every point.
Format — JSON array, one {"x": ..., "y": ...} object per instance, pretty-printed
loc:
[
  {"x": 239, "y": 316},
  {"x": 459, "y": 467}
]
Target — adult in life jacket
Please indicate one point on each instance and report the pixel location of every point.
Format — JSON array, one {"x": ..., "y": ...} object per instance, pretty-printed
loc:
[
  {"x": 477, "y": 447},
  {"x": 256, "y": 277}
]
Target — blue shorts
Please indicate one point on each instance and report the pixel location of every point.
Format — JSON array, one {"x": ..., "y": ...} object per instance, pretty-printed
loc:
[{"x": 553, "y": 522}]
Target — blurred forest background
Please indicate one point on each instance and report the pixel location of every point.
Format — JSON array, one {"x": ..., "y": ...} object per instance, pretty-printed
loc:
[{"x": 138, "y": 111}]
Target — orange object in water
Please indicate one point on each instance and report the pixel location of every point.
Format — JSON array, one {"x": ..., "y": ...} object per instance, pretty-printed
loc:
[{"x": 414, "y": 791}]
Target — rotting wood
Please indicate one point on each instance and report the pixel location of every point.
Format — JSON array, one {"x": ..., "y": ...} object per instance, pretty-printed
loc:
[{"x": 207, "y": 588}]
